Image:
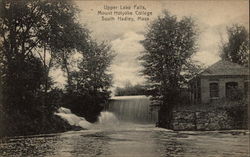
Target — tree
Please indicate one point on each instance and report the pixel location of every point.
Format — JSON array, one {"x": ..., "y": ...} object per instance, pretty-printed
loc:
[
  {"x": 45, "y": 29},
  {"x": 34, "y": 34},
  {"x": 91, "y": 81},
  {"x": 130, "y": 89},
  {"x": 236, "y": 49},
  {"x": 169, "y": 43}
]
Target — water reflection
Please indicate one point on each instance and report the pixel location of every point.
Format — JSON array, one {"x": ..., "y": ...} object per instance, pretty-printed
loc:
[
  {"x": 168, "y": 144},
  {"x": 130, "y": 140},
  {"x": 84, "y": 145}
]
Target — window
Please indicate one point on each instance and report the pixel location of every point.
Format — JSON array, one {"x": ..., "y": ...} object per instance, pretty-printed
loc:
[
  {"x": 232, "y": 90},
  {"x": 214, "y": 90}
]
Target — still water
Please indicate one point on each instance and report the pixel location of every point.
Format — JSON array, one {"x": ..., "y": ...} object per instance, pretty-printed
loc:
[{"x": 123, "y": 132}]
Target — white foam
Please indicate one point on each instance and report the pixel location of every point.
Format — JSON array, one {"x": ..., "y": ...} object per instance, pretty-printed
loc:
[
  {"x": 64, "y": 110},
  {"x": 107, "y": 118},
  {"x": 72, "y": 119}
]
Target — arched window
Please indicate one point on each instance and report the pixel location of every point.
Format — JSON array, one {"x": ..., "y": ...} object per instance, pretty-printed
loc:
[
  {"x": 214, "y": 90},
  {"x": 231, "y": 89}
]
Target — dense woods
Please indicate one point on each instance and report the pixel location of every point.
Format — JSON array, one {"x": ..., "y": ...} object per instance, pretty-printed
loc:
[{"x": 37, "y": 36}]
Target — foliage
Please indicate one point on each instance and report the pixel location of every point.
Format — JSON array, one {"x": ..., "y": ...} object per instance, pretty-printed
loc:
[
  {"x": 236, "y": 49},
  {"x": 235, "y": 95},
  {"x": 35, "y": 35},
  {"x": 90, "y": 84},
  {"x": 47, "y": 29},
  {"x": 130, "y": 90},
  {"x": 169, "y": 43}
]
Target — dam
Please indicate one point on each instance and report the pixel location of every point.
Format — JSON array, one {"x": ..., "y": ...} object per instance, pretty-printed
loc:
[{"x": 135, "y": 109}]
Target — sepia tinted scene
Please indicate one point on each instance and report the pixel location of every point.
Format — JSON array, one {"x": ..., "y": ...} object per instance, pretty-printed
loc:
[{"x": 123, "y": 78}]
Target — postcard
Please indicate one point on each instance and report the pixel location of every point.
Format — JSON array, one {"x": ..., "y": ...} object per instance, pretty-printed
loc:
[{"x": 124, "y": 78}]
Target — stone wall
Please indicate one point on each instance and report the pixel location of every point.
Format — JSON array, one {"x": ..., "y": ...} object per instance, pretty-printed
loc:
[{"x": 208, "y": 120}]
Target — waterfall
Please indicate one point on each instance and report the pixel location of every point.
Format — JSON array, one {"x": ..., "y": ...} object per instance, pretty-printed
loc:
[
  {"x": 71, "y": 118},
  {"x": 131, "y": 109},
  {"x": 134, "y": 109}
]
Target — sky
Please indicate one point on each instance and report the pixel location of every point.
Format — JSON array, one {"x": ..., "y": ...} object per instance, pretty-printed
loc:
[{"x": 211, "y": 17}]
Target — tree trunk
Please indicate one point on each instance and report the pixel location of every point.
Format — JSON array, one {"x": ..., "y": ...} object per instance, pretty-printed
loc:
[
  {"x": 46, "y": 70},
  {"x": 65, "y": 64}
]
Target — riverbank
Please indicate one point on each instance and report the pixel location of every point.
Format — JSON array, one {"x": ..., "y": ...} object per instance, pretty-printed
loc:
[
  {"x": 22, "y": 125},
  {"x": 54, "y": 124}
]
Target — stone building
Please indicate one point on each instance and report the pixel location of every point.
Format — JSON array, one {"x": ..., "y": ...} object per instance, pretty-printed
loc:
[{"x": 222, "y": 80}]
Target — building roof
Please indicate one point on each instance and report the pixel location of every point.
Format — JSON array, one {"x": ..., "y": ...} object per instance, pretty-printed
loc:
[{"x": 223, "y": 67}]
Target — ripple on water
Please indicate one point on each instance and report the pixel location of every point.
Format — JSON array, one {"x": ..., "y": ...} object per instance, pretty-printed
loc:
[{"x": 133, "y": 140}]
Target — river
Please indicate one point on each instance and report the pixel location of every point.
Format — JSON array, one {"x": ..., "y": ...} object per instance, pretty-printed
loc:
[{"x": 113, "y": 137}]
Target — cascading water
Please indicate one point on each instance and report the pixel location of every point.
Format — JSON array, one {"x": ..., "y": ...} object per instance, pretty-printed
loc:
[
  {"x": 131, "y": 109},
  {"x": 134, "y": 109},
  {"x": 72, "y": 119},
  {"x": 107, "y": 118}
]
